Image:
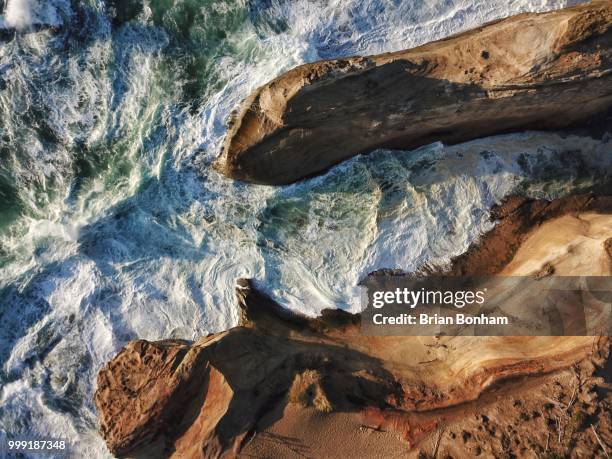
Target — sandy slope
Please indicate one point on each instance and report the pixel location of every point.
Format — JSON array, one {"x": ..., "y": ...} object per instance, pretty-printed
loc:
[{"x": 572, "y": 245}]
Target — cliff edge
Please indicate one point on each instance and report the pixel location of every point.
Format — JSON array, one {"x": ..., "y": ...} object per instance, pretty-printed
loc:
[
  {"x": 531, "y": 71},
  {"x": 285, "y": 385}
]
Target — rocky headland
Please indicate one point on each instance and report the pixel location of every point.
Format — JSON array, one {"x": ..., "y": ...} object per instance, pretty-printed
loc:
[
  {"x": 531, "y": 71},
  {"x": 284, "y": 385}
]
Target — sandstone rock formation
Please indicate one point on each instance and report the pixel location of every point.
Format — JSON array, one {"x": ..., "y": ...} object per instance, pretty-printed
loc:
[
  {"x": 281, "y": 382},
  {"x": 517, "y": 218},
  {"x": 531, "y": 71}
]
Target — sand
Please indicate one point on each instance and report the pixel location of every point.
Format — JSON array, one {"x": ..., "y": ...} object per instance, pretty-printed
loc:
[{"x": 572, "y": 245}]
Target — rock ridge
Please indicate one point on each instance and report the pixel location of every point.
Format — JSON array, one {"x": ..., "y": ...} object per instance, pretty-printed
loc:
[
  {"x": 213, "y": 397},
  {"x": 531, "y": 71}
]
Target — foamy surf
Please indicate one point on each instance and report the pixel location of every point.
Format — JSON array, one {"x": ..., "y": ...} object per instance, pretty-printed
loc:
[
  {"x": 114, "y": 227},
  {"x": 24, "y": 14}
]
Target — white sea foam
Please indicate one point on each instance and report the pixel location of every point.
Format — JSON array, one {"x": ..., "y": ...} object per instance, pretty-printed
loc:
[
  {"x": 23, "y": 14},
  {"x": 150, "y": 246}
]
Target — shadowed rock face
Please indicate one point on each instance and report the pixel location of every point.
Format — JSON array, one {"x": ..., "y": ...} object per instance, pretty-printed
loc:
[
  {"x": 531, "y": 71},
  {"x": 212, "y": 397},
  {"x": 208, "y": 399}
]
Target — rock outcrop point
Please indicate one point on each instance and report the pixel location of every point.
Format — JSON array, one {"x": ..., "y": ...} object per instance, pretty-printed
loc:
[{"x": 531, "y": 71}]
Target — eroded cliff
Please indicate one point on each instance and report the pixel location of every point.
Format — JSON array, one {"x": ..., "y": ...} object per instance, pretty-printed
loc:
[
  {"x": 233, "y": 391},
  {"x": 531, "y": 71}
]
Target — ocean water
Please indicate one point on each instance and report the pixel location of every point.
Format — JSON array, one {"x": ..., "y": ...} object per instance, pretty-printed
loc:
[{"x": 114, "y": 227}]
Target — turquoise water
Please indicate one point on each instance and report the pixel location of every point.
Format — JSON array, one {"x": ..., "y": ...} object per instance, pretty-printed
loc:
[{"x": 113, "y": 226}]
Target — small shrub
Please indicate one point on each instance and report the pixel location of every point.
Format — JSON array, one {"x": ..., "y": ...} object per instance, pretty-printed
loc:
[
  {"x": 578, "y": 420},
  {"x": 306, "y": 390}
]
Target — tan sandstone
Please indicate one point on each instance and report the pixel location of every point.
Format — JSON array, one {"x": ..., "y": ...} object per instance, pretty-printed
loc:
[{"x": 531, "y": 71}]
